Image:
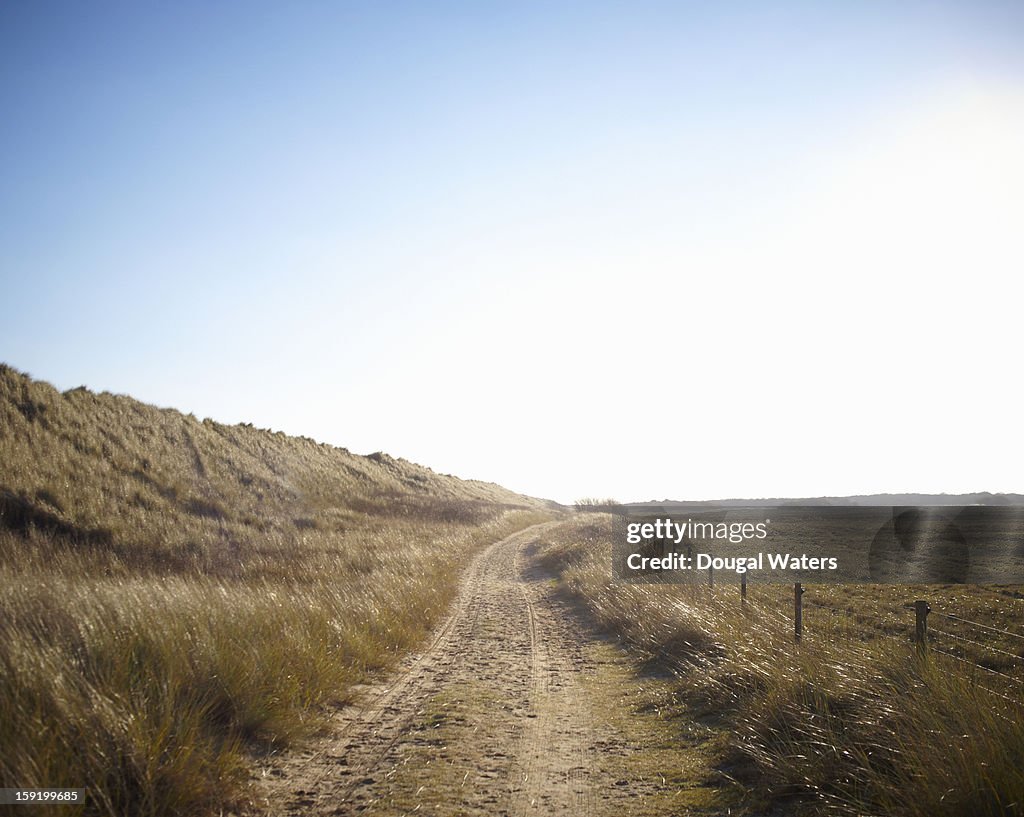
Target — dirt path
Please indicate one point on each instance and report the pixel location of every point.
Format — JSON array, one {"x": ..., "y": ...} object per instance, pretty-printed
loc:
[{"x": 511, "y": 710}]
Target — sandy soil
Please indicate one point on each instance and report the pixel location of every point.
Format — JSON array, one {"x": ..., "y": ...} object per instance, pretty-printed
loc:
[{"x": 513, "y": 709}]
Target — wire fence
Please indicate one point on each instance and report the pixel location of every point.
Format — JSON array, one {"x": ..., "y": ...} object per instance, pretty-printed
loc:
[{"x": 984, "y": 649}]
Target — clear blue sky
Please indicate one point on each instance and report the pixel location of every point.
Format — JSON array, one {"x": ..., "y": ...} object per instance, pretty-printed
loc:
[{"x": 645, "y": 250}]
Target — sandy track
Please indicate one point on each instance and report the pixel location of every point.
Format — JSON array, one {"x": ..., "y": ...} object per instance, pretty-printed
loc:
[
  {"x": 554, "y": 770},
  {"x": 489, "y": 719}
]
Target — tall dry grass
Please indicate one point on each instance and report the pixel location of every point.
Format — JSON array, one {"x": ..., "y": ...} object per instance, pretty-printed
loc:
[
  {"x": 175, "y": 594},
  {"x": 851, "y": 721}
]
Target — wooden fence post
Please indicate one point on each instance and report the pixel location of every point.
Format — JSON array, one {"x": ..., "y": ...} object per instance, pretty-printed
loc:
[
  {"x": 921, "y": 611},
  {"x": 743, "y": 589},
  {"x": 798, "y": 610},
  {"x": 711, "y": 577}
]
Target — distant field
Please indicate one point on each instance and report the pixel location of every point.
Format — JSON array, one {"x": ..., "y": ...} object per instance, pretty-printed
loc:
[
  {"x": 849, "y": 721},
  {"x": 175, "y": 594}
]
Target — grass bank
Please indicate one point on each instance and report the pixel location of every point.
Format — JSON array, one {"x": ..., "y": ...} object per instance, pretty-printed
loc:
[{"x": 176, "y": 592}]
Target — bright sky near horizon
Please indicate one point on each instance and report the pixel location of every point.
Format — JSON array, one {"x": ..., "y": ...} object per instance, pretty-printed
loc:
[{"x": 643, "y": 250}]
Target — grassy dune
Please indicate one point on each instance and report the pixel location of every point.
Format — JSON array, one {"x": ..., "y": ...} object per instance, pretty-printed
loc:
[
  {"x": 850, "y": 721},
  {"x": 176, "y": 593}
]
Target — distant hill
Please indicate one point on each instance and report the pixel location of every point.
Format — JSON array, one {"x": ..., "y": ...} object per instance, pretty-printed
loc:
[
  {"x": 982, "y": 498},
  {"x": 176, "y": 592},
  {"x": 109, "y": 470}
]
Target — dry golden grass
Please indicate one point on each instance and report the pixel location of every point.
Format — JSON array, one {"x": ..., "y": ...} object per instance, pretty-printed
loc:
[
  {"x": 175, "y": 592},
  {"x": 851, "y": 721}
]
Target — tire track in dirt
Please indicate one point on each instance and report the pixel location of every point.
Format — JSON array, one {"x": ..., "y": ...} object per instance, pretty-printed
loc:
[
  {"x": 492, "y": 718},
  {"x": 555, "y": 777},
  {"x": 338, "y": 776}
]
